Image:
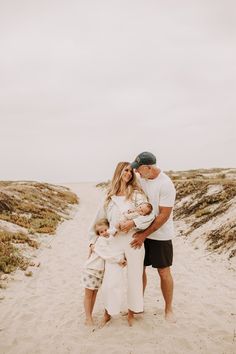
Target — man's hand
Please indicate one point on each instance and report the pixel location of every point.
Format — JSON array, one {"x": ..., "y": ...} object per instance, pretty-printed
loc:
[
  {"x": 126, "y": 226},
  {"x": 138, "y": 240}
]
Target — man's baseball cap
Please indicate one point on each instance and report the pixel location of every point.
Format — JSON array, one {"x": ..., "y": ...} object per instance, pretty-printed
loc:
[{"x": 145, "y": 158}]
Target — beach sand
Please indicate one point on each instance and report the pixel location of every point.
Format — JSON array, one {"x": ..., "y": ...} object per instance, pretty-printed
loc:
[{"x": 43, "y": 314}]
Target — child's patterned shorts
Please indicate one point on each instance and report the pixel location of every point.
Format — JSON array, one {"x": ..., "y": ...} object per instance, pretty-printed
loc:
[{"x": 92, "y": 278}]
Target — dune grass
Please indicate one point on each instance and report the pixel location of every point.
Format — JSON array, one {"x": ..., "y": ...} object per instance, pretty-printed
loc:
[
  {"x": 202, "y": 206},
  {"x": 36, "y": 207},
  {"x": 10, "y": 255}
]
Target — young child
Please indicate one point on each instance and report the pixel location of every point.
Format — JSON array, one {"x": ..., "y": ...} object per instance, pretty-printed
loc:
[
  {"x": 141, "y": 215},
  {"x": 93, "y": 271}
]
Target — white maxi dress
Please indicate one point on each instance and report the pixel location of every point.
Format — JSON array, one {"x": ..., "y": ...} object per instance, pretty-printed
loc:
[{"x": 113, "y": 282}]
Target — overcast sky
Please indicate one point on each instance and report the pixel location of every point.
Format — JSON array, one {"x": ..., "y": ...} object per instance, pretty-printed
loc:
[{"x": 87, "y": 83}]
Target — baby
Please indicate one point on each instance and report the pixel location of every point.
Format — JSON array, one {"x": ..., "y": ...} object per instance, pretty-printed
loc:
[
  {"x": 142, "y": 209},
  {"x": 141, "y": 215},
  {"x": 93, "y": 271}
]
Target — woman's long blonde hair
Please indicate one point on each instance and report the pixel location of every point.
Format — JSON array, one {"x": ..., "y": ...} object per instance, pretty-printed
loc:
[{"x": 115, "y": 185}]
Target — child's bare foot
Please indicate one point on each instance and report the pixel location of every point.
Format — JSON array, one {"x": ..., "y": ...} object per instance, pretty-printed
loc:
[
  {"x": 170, "y": 317},
  {"x": 89, "y": 322},
  {"x": 130, "y": 318},
  {"x": 106, "y": 318}
]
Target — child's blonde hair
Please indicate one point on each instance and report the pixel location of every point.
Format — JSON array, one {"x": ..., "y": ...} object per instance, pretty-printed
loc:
[{"x": 101, "y": 222}]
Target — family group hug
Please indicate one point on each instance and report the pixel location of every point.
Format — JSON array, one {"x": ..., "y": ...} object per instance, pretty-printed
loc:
[{"x": 133, "y": 229}]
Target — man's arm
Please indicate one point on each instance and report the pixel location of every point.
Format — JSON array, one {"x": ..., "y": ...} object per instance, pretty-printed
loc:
[{"x": 160, "y": 220}]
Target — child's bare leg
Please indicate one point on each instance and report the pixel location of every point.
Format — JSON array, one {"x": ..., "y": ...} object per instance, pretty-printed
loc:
[
  {"x": 88, "y": 306},
  {"x": 94, "y": 298}
]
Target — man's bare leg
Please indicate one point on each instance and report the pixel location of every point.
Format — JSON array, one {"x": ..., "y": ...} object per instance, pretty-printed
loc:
[
  {"x": 167, "y": 287},
  {"x": 144, "y": 279},
  {"x": 88, "y": 307}
]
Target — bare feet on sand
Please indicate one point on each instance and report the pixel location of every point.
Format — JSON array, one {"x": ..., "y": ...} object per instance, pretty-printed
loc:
[
  {"x": 106, "y": 318},
  {"x": 130, "y": 318},
  {"x": 89, "y": 322},
  {"x": 125, "y": 313},
  {"x": 170, "y": 317}
]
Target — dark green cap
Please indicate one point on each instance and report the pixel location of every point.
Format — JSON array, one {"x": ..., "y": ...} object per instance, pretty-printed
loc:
[{"x": 145, "y": 158}]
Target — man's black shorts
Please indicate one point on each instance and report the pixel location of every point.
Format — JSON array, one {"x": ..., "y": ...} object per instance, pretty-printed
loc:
[{"x": 158, "y": 254}]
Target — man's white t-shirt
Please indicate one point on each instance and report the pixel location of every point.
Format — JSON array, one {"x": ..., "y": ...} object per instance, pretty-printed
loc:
[{"x": 160, "y": 192}]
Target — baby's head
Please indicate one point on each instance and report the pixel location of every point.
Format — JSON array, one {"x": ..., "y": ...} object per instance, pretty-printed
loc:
[
  {"x": 144, "y": 209},
  {"x": 101, "y": 227}
]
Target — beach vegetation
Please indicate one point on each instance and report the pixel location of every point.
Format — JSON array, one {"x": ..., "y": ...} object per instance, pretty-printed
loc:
[
  {"x": 203, "y": 196},
  {"x": 35, "y": 208}
]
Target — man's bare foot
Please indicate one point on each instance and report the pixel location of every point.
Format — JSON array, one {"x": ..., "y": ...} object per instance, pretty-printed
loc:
[
  {"x": 130, "y": 318},
  {"x": 106, "y": 318},
  {"x": 89, "y": 322},
  {"x": 170, "y": 317}
]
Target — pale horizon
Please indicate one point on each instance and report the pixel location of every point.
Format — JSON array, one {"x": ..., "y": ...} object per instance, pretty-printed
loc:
[{"x": 85, "y": 85}]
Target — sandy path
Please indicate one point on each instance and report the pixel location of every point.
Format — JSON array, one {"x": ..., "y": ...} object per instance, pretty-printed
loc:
[{"x": 44, "y": 314}]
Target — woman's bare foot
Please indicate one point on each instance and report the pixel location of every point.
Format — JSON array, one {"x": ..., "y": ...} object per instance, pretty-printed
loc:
[
  {"x": 125, "y": 313},
  {"x": 130, "y": 318},
  {"x": 106, "y": 318}
]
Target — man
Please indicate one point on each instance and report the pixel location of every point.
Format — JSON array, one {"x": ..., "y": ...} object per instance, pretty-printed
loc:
[{"x": 157, "y": 238}]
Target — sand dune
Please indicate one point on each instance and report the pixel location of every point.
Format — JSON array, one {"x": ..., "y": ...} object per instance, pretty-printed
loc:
[{"x": 43, "y": 314}]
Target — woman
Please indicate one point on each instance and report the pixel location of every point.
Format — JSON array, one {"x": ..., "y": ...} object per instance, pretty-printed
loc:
[{"x": 123, "y": 193}]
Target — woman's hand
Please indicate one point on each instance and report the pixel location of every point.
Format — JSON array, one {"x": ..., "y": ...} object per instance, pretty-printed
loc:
[
  {"x": 122, "y": 262},
  {"x": 126, "y": 226},
  {"x": 138, "y": 240},
  {"x": 117, "y": 226}
]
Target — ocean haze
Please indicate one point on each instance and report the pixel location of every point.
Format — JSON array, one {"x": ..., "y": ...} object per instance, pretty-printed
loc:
[{"x": 87, "y": 84}]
